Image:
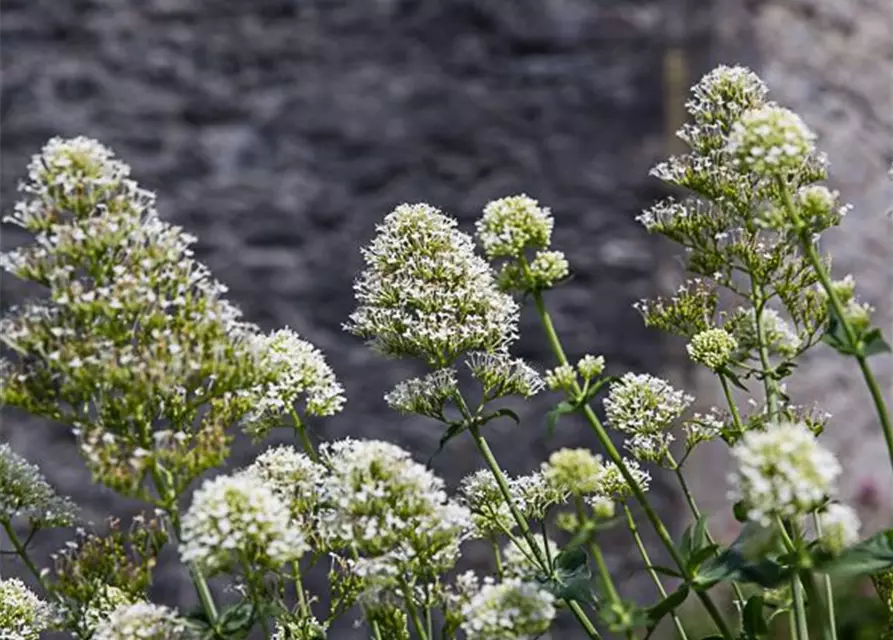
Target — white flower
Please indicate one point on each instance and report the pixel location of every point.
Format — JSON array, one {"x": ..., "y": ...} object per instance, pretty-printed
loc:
[
  {"x": 547, "y": 268},
  {"x": 771, "y": 141},
  {"x": 840, "y": 527},
  {"x": 713, "y": 348},
  {"x": 644, "y": 407},
  {"x": 575, "y": 471},
  {"x": 591, "y": 366},
  {"x": 294, "y": 477},
  {"x": 24, "y": 492},
  {"x": 778, "y": 335},
  {"x": 782, "y": 471},
  {"x": 510, "y": 225},
  {"x": 141, "y": 621},
  {"x": 236, "y": 517},
  {"x": 296, "y": 368},
  {"x": 723, "y": 94},
  {"x": 502, "y": 375},
  {"x": 490, "y": 512},
  {"x": 425, "y": 396},
  {"x": 104, "y": 602},
  {"x": 518, "y": 561},
  {"x": 511, "y": 610},
  {"x": 533, "y": 494},
  {"x": 426, "y": 294},
  {"x": 561, "y": 378},
  {"x": 23, "y": 616}
]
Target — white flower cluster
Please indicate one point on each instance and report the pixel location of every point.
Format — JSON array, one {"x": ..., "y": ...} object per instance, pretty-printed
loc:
[
  {"x": 239, "y": 517},
  {"x": 426, "y": 294},
  {"x": 502, "y": 375},
  {"x": 390, "y": 509},
  {"x": 723, "y": 94},
  {"x": 142, "y": 621},
  {"x": 296, "y": 368},
  {"x": 840, "y": 526},
  {"x": 510, "y": 610},
  {"x": 23, "y": 616},
  {"x": 24, "y": 492},
  {"x": 771, "y": 141},
  {"x": 703, "y": 427},
  {"x": 644, "y": 407},
  {"x": 778, "y": 334},
  {"x": 579, "y": 472},
  {"x": 548, "y": 268},
  {"x": 512, "y": 224},
  {"x": 782, "y": 471},
  {"x": 425, "y": 396},
  {"x": 591, "y": 366},
  {"x": 561, "y": 378},
  {"x": 294, "y": 478},
  {"x": 518, "y": 561},
  {"x": 712, "y": 348},
  {"x": 105, "y": 601}
]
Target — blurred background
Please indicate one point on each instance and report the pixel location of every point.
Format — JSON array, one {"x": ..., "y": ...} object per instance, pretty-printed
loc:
[{"x": 281, "y": 131}]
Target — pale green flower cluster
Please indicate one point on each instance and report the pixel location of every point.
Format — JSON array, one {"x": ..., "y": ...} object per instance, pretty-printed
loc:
[
  {"x": 25, "y": 493},
  {"x": 576, "y": 471},
  {"x": 510, "y": 610},
  {"x": 548, "y": 268},
  {"x": 426, "y": 294},
  {"x": 142, "y": 621},
  {"x": 23, "y": 616},
  {"x": 306, "y": 628},
  {"x": 779, "y": 336},
  {"x": 712, "y": 348},
  {"x": 591, "y": 366},
  {"x": 840, "y": 527},
  {"x": 502, "y": 375},
  {"x": 645, "y": 407},
  {"x": 104, "y": 602},
  {"x": 771, "y": 141},
  {"x": 425, "y": 396},
  {"x": 561, "y": 378},
  {"x": 237, "y": 519},
  {"x": 296, "y": 368},
  {"x": 781, "y": 472}
]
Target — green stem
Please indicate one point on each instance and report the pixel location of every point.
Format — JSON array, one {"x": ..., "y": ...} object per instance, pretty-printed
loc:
[
  {"x": 601, "y": 565},
  {"x": 612, "y": 453},
  {"x": 23, "y": 554},
  {"x": 583, "y": 619},
  {"x": 299, "y": 589},
  {"x": 414, "y": 613},
  {"x": 301, "y": 430},
  {"x": 829, "y": 588},
  {"x": 634, "y": 529},
  {"x": 763, "y": 350},
  {"x": 800, "y": 619},
  {"x": 497, "y": 555},
  {"x": 733, "y": 407}
]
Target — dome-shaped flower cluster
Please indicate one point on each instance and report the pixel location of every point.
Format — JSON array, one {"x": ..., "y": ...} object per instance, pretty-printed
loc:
[
  {"x": 23, "y": 616},
  {"x": 142, "y": 621},
  {"x": 771, "y": 141},
  {"x": 510, "y": 610}
]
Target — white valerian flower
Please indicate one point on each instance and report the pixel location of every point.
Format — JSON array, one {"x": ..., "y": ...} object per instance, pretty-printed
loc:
[
  {"x": 23, "y": 616},
  {"x": 782, "y": 471},
  {"x": 591, "y": 366},
  {"x": 294, "y": 477},
  {"x": 510, "y": 225},
  {"x": 305, "y": 628},
  {"x": 778, "y": 335},
  {"x": 105, "y": 601},
  {"x": 25, "y": 493},
  {"x": 771, "y": 141},
  {"x": 712, "y": 348},
  {"x": 703, "y": 427},
  {"x": 511, "y": 610},
  {"x": 615, "y": 486},
  {"x": 722, "y": 95},
  {"x": 502, "y": 375},
  {"x": 425, "y": 396},
  {"x": 578, "y": 472},
  {"x": 233, "y": 518},
  {"x": 561, "y": 378},
  {"x": 547, "y": 268},
  {"x": 534, "y": 495},
  {"x": 490, "y": 512},
  {"x": 426, "y": 294},
  {"x": 840, "y": 527},
  {"x": 142, "y": 621},
  {"x": 518, "y": 561},
  {"x": 296, "y": 369},
  {"x": 390, "y": 509},
  {"x": 644, "y": 407}
]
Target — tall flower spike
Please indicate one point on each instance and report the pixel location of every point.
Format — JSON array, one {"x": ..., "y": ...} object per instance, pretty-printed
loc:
[
  {"x": 782, "y": 471},
  {"x": 296, "y": 368},
  {"x": 24, "y": 492},
  {"x": 425, "y": 294}
]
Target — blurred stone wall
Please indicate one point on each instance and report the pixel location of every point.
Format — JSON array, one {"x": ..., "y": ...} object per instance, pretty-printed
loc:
[{"x": 282, "y": 131}]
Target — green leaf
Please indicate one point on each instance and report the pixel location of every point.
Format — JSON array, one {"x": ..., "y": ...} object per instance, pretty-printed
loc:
[
  {"x": 754, "y": 623},
  {"x": 869, "y": 557},
  {"x": 560, "y": 409},
  {"x": 739, "y": 510},
  {"x": 673, "y": 573},
  {"x": 873, "y": 343},
  {"x": 835, "y": 335},
  {"x": 571, "y": 579},
  {"x": 236, "y": 621},
  {"x": 452, "y": 431},
  {"x": 734, "y": 379},
  {"x": 669, "y": 604},
  {"x": 502, "y": 413},
  {"x": 732, "y": 565}
]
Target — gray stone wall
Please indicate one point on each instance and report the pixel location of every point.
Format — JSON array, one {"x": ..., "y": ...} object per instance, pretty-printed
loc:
[{"x": 281, "y": 131}]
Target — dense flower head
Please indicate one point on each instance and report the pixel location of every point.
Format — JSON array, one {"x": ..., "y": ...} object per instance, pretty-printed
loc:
[
  {"x": 490, "y": 512},
  {"x": 237, "y": 517},
  {"x": 426, "y": 396},
  {"x": 771, "y": 141},
  {"x": 561, "y": 378},
  {"x": 512, "y": 224},
  {"x": 723, "y": 94},
  {"x": 305, "y": 628},
  {"x": 510, "y": 610},
  {"x": 23, "y": 616},
  {"x": 24, "y": 492},
  {"x": 712, "y": 348},
  {"x": 615, "y": 485},
  {"x": 392, "y": 510},
  {"x": 547, "y": 268},
  {"x": 782, "y": 471},
  {"x": 518, "y": 561},
  {"x": 502, "y": 375},
  {"x": 703, "y": 427},
  {"x": 294, "y": 477},
  {"x": 426, "y": 294},
  {"x": 105, "y": 601},
  {"x": 644, "y": 407},
  {"x": 575, "y": 471},
  {"x": 142, "y": 621},
  {"x": 590, "y": 366},
  {"x": 534, "y": 495},
  {"x": 779, "y": 335},
  {"x": 840, "y": 527},
  {"x": 296, "y": 368}
]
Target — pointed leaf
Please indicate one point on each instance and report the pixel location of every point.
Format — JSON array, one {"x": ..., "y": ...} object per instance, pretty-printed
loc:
[
  {"x": 754, "y": 623},
  {"x": 560, "y": 409},
  {"x": 866, "y": 558},
  {"x": 452, "y": 431},
  {"x": 667, "y": 605},
  {"x": 502, "y": 413},
  {"x": 874, "y": 343}
]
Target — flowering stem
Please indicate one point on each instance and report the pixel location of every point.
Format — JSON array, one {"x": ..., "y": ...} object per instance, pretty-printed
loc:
[
  {"x": 759, "y": 302},
  {"x": 634, "y": 529},
  {"x": 301, "y": 430},
  {"x": 414, "y": 613},
  {"x": 733, "y": 408},
  {"x": 497, "y": 555},
  {"x": 615, "y": 457},
  {"x": 23, "y": 554},
  {"x": 596, "y": 552},
  {"x": 829, "y": 589},
  {"x": 299, "y": 588},
  {"x": 797, "y": 587}
]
